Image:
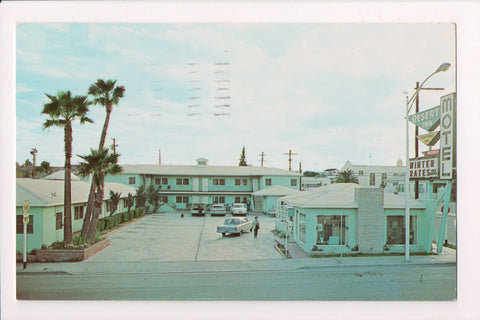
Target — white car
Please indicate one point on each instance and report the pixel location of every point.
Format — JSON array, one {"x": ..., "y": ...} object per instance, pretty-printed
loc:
[
  {"x": 235, "y": 226},
  {"x": 218, "y": 210},
  {"x": 239, "y": 209}
]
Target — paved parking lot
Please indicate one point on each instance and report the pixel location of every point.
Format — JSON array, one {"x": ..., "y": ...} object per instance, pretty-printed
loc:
[{"x": 168, "y": 237}]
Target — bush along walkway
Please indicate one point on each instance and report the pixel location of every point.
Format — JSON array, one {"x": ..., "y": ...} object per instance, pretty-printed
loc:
[{"x": 109, "y": 224}]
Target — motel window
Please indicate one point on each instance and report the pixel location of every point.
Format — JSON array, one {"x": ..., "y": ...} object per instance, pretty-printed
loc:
[
  {"x": 20, "y": 224},
  {"x": 244, "y": 182},
  {"x": 372, "y": 179},
  {"x": 332, "y": 230},
  {"x": 238, "y": 199},
  {"x": 164, "y": 199},
  {"x": 268, "y": 182},
  {"x": 218, "y": 182},
  {"x": 384, "y": 177},
  {"x": 396, "y": 230},
  {"x": 217, "y": 199},
  {"x": 183, "y": 181},
  {"x": 237, "y": 182},
  {"x": 163, "y": 181},
  {"x": 301, "y": 227},
  {"x": 182, "y": 199},
  {"x": 78, "y": 212},
  {"x": 131, "y": 180},
  {"x": 58, "y": 221},
  {"x": 293, "y": 182}
]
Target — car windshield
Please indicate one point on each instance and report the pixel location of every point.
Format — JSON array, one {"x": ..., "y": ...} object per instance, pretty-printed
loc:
[
  {"x": 217, "y": 207},
  {"x": 238, "y": 205},
  {"x": 232, "y": 221}
]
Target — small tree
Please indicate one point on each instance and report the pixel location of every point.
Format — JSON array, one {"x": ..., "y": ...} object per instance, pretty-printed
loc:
[
  {"x": 347, "y": 176},
  {"x": 153, "y": 197},
  {"x": 115, "y": 199},
  {"x": 130, "y": 201},
  {"x": 45, "y": 167},
  {"x": 141, "y": 198},
  {"x": 243, "y": 158}
]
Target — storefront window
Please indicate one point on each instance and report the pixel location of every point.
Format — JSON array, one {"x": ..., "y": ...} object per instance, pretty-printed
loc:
[
  {"x": 332, "y": 230},
  {"x": 301, "y": 227},
  {"x": 396, "y": 230}
]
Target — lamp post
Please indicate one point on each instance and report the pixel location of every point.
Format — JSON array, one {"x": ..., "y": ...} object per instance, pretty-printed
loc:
[{"x": 441, "y": 68}]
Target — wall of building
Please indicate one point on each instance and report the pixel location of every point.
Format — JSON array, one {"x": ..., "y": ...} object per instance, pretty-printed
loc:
[
  {"x": 369, "y": 219},
  {"x": 311, "y": 229},
  {"x": 34, "y": 241}
]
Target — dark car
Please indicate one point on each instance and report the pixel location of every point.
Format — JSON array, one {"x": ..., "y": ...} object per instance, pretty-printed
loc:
[{"x": 198, "y": 209}]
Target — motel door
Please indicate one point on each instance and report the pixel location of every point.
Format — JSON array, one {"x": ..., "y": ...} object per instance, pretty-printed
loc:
[{"x": 196, "y": 184}]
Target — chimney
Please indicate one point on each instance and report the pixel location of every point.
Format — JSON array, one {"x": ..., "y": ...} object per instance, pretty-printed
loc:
[{"x": 159, "y": 157}]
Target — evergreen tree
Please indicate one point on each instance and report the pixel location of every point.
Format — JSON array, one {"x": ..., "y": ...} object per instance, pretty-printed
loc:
[{"x": 243, "y": 159}]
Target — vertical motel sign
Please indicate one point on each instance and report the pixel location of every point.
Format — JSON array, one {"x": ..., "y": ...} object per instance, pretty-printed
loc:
[{"x": 448, "y": 137}]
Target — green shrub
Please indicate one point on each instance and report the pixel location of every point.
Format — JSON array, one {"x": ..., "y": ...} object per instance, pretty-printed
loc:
[
  {"x": 101, "y": 225},
  {"x": 131, "y": 214},
  {"x": 109, "y": 222},
  {"x": 140, "y": 212},
  {"x": 118, "y": 218},
  {"x": 79, "y": 240},
  {"x": 126, "y": 216},
  {"x": 137, "y": 213},
  {"x": 97, "y": 237}
]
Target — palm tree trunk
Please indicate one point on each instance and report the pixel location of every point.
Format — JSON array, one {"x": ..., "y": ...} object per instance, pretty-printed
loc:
[
  {"x": 88, "y": 212},
  {"x": 91, "y": 226},
  {"x": 67, "y": 228},
  {"x": 96, "y": 213}
]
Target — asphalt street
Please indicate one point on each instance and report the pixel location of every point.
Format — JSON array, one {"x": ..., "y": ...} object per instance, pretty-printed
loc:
[{"x": 166, "y": 257}]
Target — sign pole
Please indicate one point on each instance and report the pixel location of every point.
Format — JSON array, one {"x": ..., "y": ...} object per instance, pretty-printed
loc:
[{"x": 26, "y": 207}]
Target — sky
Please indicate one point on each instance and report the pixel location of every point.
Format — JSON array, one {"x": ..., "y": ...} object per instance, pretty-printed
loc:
[{"x": 327, "y": 92}]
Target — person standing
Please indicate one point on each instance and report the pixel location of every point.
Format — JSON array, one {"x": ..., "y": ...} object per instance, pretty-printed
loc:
[{"x": 255, "y": 226}]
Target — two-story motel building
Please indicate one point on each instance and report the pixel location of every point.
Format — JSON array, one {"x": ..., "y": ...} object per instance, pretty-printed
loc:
[{"x": 183, "y": 185}]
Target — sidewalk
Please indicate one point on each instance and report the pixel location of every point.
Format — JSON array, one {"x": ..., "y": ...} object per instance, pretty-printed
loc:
[{"x": 448, "y": 256}]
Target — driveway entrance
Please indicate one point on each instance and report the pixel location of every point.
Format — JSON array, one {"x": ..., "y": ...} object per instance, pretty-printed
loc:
[{"x": 168, "y": 237}]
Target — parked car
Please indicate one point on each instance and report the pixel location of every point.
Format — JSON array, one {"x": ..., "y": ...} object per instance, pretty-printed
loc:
[
  {"x": 218, "y": 210},
  {"x": 239, "y": 209},
  {"x": 198, "y": 209},
  {"x": 235, "y": 226}
]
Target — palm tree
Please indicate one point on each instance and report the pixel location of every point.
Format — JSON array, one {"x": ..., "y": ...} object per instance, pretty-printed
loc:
[
  {"x": 99, "y": 163},
  {"x": 63, "y": 109},
  {"x": 347, "y": 176},
  {"x": 130, "y": 201},
  {"x": 115, "y": 199},
  {"x": 106, "y": 94}
]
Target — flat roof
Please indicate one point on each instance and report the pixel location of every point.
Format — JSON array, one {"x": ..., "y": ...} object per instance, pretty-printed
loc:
[
  {"x": 205, "y": 170},
  {"x": 44, "y": 193},
  {"x": 342, "y": 195}
]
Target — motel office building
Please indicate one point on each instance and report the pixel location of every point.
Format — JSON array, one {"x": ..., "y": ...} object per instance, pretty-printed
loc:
[
  {"x": 349, "y": 218},
  {"x": 181, "y": 186}
]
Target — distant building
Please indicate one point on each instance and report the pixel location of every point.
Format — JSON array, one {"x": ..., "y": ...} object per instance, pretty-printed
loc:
[
  {"x": 182, "y": 185},
  {"x": 314, "y": 182},
  {"x": 375, "y": 176}
]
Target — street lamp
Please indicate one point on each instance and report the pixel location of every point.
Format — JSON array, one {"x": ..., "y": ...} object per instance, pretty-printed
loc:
[{"x": 441, "y": 68}]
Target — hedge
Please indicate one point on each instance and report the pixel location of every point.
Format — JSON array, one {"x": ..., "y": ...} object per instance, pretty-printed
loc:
[
  {"x": 109, "y": 222},
  {"x": 118, "y": 218},
  {"x": 141, "y": 211},
  {"x": 101, "y": 225},
  {"x": 126, "y": 216}
]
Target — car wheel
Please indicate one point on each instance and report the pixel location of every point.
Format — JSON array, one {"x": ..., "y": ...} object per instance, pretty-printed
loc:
[
  {"x": 223, "y": 234},
  {"x": 251, "y": 229}
]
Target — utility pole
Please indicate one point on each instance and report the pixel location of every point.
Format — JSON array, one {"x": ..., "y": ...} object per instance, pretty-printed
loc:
[
  {"x": 113, "y": 146},
  {"x": 262, "y": 157},
  {"x": 34, "y": 154},
  {"x": 417, "y": 110},
  {"x": 290, "y": 154}
]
